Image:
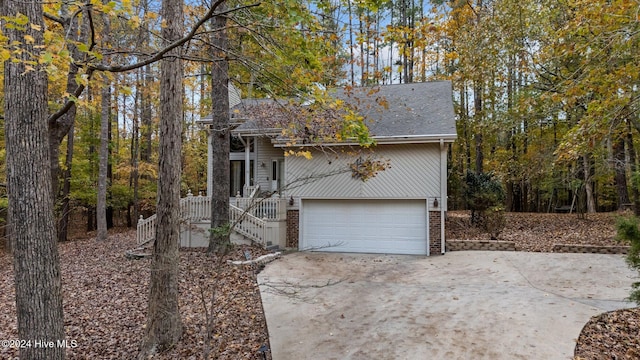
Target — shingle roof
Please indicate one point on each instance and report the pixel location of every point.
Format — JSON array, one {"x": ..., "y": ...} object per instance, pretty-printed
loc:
[
  {"x": 403, "y": 110},
  {"x": 417, "y": 109}
]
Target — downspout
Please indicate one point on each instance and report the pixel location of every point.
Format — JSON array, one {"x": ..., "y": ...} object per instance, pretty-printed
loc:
[
  {"x": 428, "y": 228},
  {"x": 443, "y": 192}
]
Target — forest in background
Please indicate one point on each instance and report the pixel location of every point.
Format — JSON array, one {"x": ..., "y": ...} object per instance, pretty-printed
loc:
[{"x": 546, "y": 92}]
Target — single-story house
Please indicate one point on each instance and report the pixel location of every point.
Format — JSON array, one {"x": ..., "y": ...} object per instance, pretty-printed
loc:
[{"x": 328, "y": 199}]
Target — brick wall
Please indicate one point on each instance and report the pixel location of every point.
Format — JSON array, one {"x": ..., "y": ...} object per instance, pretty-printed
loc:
[
  {"x": 293, "y": 228},
  {"x": 435, "y": 246}
]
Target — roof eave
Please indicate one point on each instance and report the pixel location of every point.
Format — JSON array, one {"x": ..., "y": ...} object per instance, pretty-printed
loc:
[
  {"x": 258, "y": 132},
  {"x": 396, "y": 139}
]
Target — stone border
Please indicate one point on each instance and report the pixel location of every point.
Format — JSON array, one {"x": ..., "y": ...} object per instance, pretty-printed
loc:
[
  {"x": 498, "y": 245},
  {"x": 589, "y": 249},
  {"x": 486, "y": 245}
]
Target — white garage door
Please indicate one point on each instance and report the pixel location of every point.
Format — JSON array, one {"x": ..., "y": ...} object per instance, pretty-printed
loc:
[{"x": 367, "y": 226}]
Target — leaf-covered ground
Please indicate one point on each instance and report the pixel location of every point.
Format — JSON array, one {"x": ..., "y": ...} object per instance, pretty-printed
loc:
[
  {"x": 105, "y": 302},
  {"x": 105, "y": 294},
  {"x": 612, "y": 335},
  {"x": 539, "y": 232}
]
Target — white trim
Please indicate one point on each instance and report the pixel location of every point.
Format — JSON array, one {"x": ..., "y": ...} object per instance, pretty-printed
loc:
[
  {"x": 443, "y": 193},
  {"x": 241, "y": 156},
  {"x": 363, "y": 198},
  {"x": 428, "y": 227},
  {"x": 390, "y": 140}
]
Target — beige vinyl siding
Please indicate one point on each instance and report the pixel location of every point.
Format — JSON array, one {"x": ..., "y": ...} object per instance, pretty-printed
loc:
[
  {"x": 266, "y": 152},
  {"x": 414, "y": 174}
]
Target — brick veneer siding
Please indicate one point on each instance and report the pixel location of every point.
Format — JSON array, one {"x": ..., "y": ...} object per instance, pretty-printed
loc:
[
  {"x": 293, "y": 228},
  {"x": 435, "y": 243}
]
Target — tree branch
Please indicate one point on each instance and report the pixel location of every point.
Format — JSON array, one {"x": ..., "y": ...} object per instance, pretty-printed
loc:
[
  {"x": 54, "y": 18},
  {"x": 160, "y": 54}
]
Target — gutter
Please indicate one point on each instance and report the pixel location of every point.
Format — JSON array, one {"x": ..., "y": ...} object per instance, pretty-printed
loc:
[{"x": 395, "y": 139}]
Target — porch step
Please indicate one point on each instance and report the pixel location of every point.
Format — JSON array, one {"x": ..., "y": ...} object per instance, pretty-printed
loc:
[{"x": 275, "y": 247}]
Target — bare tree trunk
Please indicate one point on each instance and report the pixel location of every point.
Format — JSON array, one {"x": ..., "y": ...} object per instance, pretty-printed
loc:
[
  {"x": 620, "y": 171},
  {"x": 145, "y": 101},
  {"x": 91, "y": 209},
  {"x": 352, "y": 59},
  {"x": 33, "y": 233},
  {"x": 134, "y": 176},
  {"x": 588, "y": 185},
  {"x": 633, "y": 166},
  {"x": 109, "y": 209},
  {"x": 220, "y": 134},
  {"x": 103, "y": 155},
  {"x": 164, "y": 326},
  {"x": 63, "y": 224},
  {"x": 63, "y": 127},
  {"x": 477, "y": 101},
  {"x": 68, "y": 121}
]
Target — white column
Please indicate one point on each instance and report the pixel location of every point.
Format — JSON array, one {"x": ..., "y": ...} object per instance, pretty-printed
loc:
[
  {"x": 209, "y": 164},
  {"x": 443, "y": 191},
  {"x": 247, "y": 165}
]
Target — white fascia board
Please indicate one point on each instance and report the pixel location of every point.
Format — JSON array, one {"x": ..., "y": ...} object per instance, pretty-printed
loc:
[
  {"x": 256, "y": 132},
  {"x": 400, "y": 139}
]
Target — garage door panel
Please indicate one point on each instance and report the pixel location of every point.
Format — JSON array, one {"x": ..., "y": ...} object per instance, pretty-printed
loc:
[{"x": 374, "y": 226}]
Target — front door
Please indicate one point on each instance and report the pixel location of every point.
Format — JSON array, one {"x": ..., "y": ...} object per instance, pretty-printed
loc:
[{"x": 277, "y": 175}]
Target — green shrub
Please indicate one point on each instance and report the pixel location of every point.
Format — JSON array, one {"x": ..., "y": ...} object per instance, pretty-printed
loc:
[{"x": 627, "y": 230}]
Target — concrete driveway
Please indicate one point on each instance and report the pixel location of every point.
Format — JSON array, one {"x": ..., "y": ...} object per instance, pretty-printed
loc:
[{"x": 463, "y": 305}]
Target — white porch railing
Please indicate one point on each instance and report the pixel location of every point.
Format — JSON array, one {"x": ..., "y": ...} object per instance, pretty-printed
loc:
[
  {"x": 146, "y": 230},
  {"x": 253, "y": 218},
  {"x": 265, "y": 208},
  {"x": 248, "y": 225}
]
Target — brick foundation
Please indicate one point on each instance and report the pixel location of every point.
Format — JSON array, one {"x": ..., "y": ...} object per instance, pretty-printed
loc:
[
  {"x": 435, "y": 244},
  {"x": 293, "y": 228}
]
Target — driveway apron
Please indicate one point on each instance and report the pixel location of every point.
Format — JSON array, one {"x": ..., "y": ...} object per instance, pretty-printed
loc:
[{"x": 461, "y": 305}]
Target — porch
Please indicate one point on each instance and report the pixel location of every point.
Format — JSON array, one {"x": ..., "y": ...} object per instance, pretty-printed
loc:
[{"x": 253, "y": 220}]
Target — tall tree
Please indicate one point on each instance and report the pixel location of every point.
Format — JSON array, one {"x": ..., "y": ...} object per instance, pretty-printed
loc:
[
  {"x": 78, "y": 28},
  {"x": 103, "y": 152},
  {"x": 103, "y": 155},
  {"x": 164, "y": 326},
  {"x": 219, "y": 138},
  {"x": 33, "y": 234}
]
